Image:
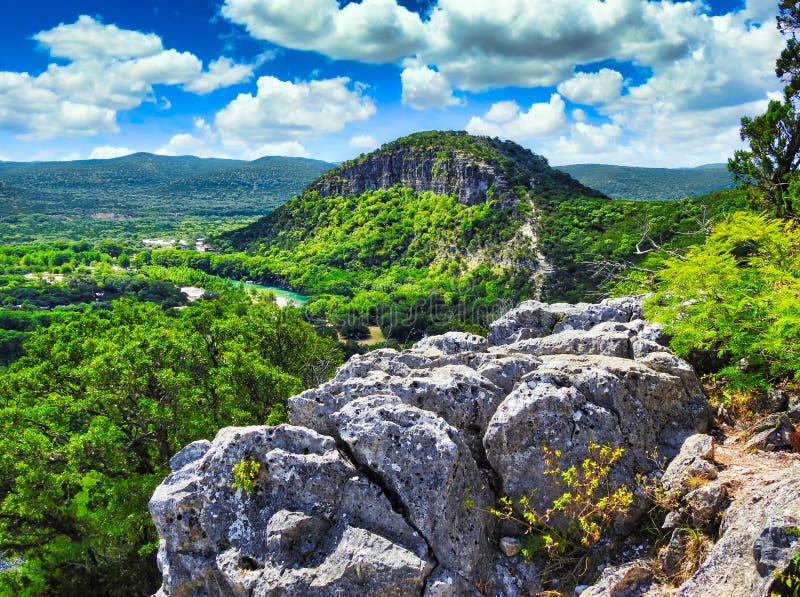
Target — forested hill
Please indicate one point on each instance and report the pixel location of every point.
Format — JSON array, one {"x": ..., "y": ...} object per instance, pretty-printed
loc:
[
  {"x": 474, "y": 170},
  {"x": 434, "y": 230},
  {"x": 143, "y": 184},
  {"x": 652, "y": 184}
]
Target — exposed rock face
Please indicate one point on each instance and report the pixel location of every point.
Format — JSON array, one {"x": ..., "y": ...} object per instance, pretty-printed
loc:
[
  {"x": 365, "y": 494},
  {"x": 474, "y": 169},
  {"x": 313, "y": 526},
  {"x": 444, "y": 173}
]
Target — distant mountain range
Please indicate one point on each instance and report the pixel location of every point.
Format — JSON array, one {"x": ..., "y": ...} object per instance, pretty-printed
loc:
[
  {"x": 651, "y": 184},
  {"x": 144, "y": 184}
]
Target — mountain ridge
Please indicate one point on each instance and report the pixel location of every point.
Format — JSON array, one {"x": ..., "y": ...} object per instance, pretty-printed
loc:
[
  {"x": 652, "y": 184},
  {"x": 150, "y": 184}
]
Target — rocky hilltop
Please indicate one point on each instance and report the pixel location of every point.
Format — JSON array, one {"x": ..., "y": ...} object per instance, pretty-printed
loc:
[
  {"x": 474, "y": 169},
  {"x": 460, "y": 211},
  {"x": 364, "y": 492}
]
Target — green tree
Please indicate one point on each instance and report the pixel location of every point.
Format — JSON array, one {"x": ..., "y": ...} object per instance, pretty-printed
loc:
[
  {"x": 770, "y": 164},
  {"x": 91, "y": 415},
  {"x": 768, "y": 168}
]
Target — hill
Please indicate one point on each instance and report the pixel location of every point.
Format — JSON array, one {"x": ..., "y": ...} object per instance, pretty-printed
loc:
[
  {"x": 652, "y": 184},
  {"x": 150, "y": 194},
  {"x": 249, "y": 188},
  {"x": 137, "y": 171},
  {"x": 441, "y": 230}
]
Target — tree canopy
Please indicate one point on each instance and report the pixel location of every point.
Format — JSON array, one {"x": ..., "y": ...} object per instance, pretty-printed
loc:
[
  {"x": 769, "y": 166},
  {"x": 91, "y": 415}
]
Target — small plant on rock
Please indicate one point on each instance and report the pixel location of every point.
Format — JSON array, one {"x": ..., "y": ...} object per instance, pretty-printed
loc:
[
  {"x": 578, "y": 517},
  {"x": 245, "y": 473}
]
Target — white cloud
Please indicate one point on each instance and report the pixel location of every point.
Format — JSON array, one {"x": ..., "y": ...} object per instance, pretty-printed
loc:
[
  {"x": 283, "y": 111},
  {"x": 700, "y": 64},
  {"x": 502, "y": 112},
  {"x": 507, "y": 120},
  {"x": 109, "y": 69},
  {"x": 593, "y": 88},
  {"x": 105, "y": 152},
  {"x": 200, "y": 143},
  {"x": 38, "y": 112},
  {"x": 369, "y": 31},
  {"x": 119, "y": 85},
  {"x": 588, "y": 143},
  {"x": 88, "y": 39},
  {"x": 425, "y": 88},
  {"x": 364, "y": 142},
  {"x": 291, "y": 149},
  {"x": 223, "y": 72}
]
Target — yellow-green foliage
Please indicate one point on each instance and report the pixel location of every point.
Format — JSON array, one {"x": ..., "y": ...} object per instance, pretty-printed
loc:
[
  {"x": 245, "y": 473},
  {"x": 736, "y": 298},
  {"x": 578, "y": 517}
]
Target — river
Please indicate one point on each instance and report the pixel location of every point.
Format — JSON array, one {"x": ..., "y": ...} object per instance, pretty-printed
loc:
[{"x": 283, "y": 297}]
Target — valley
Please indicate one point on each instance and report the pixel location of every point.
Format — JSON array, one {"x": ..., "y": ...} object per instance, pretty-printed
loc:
[{"x": 141, "y": 195}]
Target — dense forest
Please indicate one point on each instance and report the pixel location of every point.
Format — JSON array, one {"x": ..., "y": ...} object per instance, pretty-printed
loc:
[
  {"x": 143, "y": 195},
  {"x": 102, "y": 399}
]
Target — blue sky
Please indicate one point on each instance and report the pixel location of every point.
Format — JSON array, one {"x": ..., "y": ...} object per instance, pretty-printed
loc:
[{"x": 638, "y": 82}]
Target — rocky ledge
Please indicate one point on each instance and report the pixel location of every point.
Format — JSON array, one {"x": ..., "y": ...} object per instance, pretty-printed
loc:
[{"x": 364, "y": 492}]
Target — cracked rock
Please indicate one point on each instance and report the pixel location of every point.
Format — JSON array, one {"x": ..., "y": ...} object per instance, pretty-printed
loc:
[{"x": 381, "y": 484}]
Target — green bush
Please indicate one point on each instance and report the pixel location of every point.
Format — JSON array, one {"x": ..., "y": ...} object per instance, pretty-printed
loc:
[
  {"x": 577, "y": 518},
  {"x": 730, "y": 305}
]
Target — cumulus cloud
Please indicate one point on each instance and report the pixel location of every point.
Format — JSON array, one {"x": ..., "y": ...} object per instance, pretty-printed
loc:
[
  {"x": 198, "y": 143},
  {"x": 425, "y": 88},
  {"x": 88, "y": 39},
  {"x": 593, "y": 88},
  {"x": 109, "y": 69},
  {"x": 363, "y": 142},
  {"x": 223, "y": 72},
  {"x": 699, "y": 63},
  {"x": 291, "y": 149},
  {"x": 105, "y": 152},
  {"x": 283, "y": 111},
  {"x": 369, "y": 31},
  {"x": 119, "y": 85},
  {"x": 508, "y": 120},
  {"x": 589, "y": 143},
  {"x": 39, "y": 112}
]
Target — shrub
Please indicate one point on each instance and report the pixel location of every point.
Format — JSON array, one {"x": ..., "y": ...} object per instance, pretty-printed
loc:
[
  {"x": 734, "y": 298},
  {"x": 577, "y": 519}
]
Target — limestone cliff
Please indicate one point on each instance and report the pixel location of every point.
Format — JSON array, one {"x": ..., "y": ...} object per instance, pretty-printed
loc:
[{"x": 474, "y": 169}]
